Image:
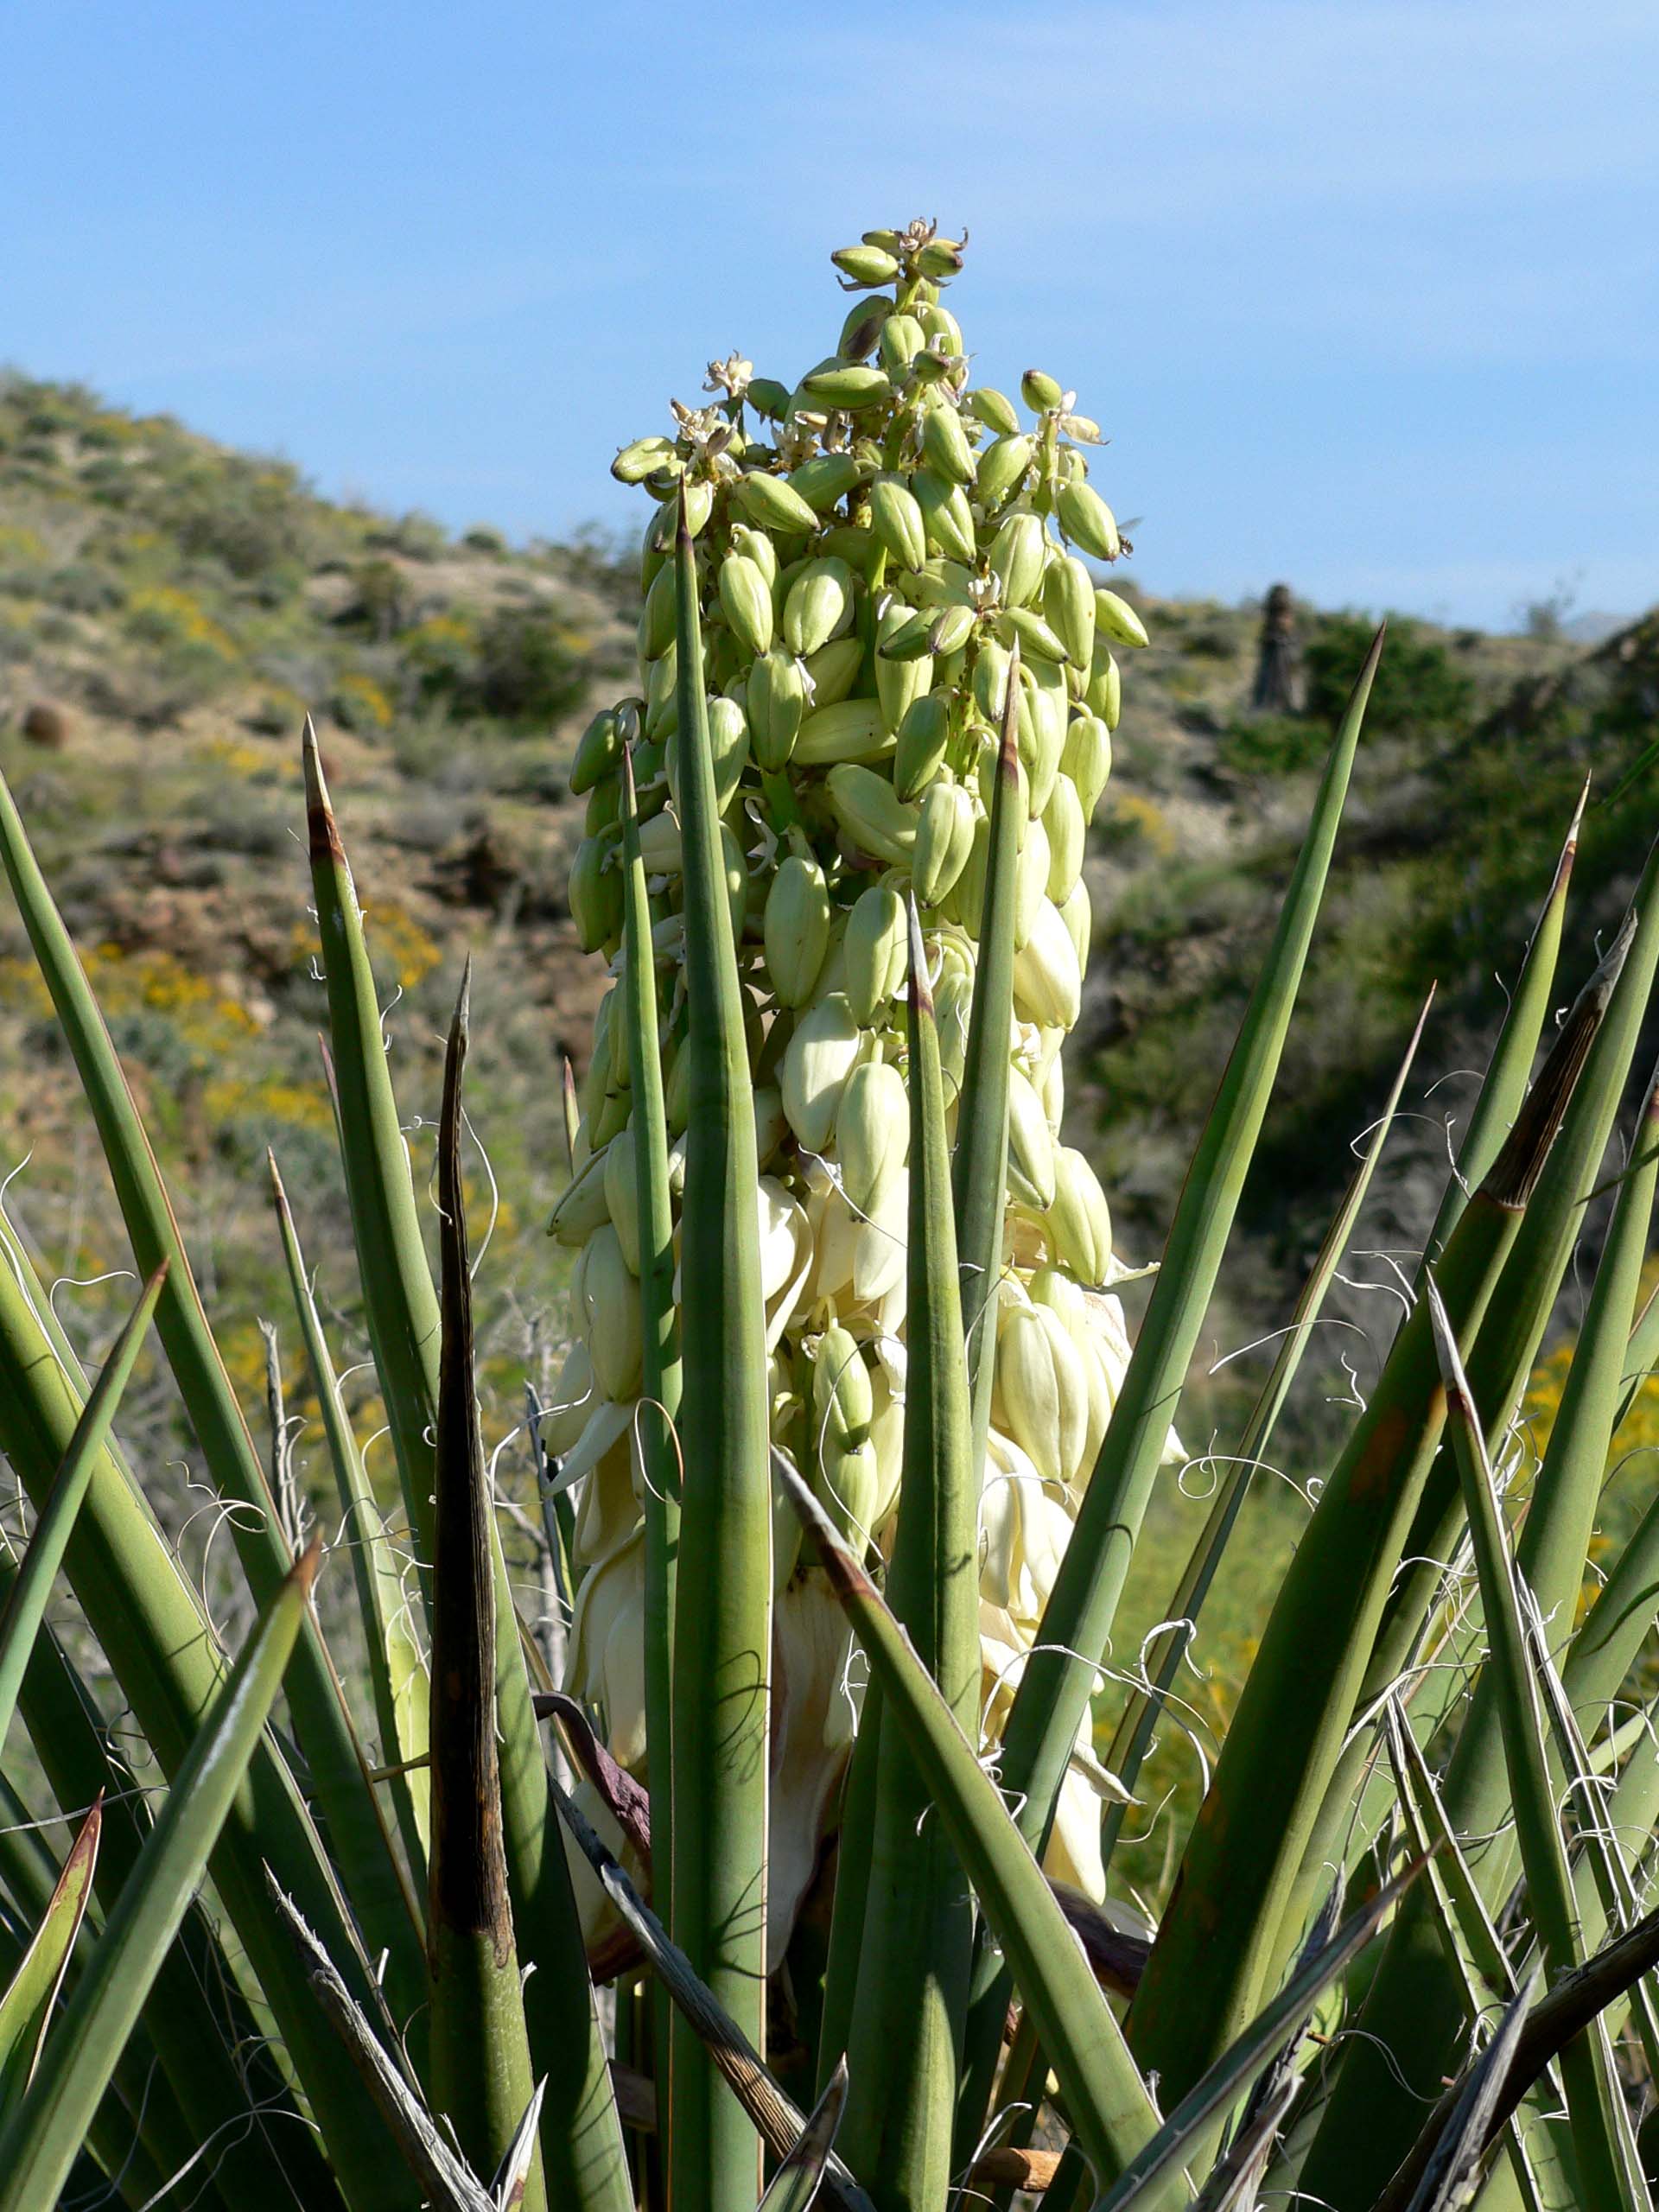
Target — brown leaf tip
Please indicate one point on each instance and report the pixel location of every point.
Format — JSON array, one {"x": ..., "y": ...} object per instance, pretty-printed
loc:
[
  {"x": 1514, "y": 1174},
  {"x": 319, "y": 814}
]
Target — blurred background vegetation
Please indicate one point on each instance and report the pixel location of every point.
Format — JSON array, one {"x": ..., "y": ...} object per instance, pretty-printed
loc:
[{"x": 170, "y": 609}]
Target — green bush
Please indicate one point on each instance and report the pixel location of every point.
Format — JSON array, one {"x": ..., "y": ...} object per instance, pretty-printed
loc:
[{"x": 1420, "y": 688}]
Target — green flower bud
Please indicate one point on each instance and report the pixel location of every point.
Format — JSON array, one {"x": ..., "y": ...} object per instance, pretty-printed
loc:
[
  {"x": 941, "y": 326},
  {"x": 607, "y": 1297},
  {"x": 846, "y": 386},
  {"x": 774, "y": 505},
  {"x": 775, "y": 702},
  {"x": 902, "y": 340},
  {"x": 865, "y": 264},
  {"x": 899, "y": 684},
  {"x": 853, "y": 729},
  {"x": 1017, "y": 552},
  {"x": 662, "y": 695},
  {"x": 1002, "y": 469},
  {"x": 1104, "y": 693},
  {"x": 873, "y": 951},
  {"x": 991, "y": 680},
  {"x": 939, "y": 257},
  {"x": 947, "y": 518},
  {"x": 796, "y": 928},
  {"x": 944, "y": 839},
  {"x": 1087, "y": 520},
  {"x": 745, "y": 597},
  {"x": 1076, "y": 913},
  {"x": 923, "y": 732},
  {"x": 1078, "y": 1221},
  {"x": 1086, "y": 758},
  {"x": 595, "y": 895},
  {"x": 870, "y": 814},
  {"x": 621, "y": 1195},
  {"x": 826, "y": 1045},
  {"x": 728, "y": 748},
  {"x": 599, "y": 752},
  {"x": 1038, "y": 643},
  {"x": 944, "y": 583},
  {"x": 944, "y": 446},
  {"x": 1041, "y": 739},
  {"x": 990, "y": 407},
  {"x": 896, "y": 519},
  {"x": 1063, "y": 822},
  {"x": 1040, "y": 393},
  {"x": 872, "y": 1132},
  {"x": 833, "y": 671},
  {"x": 819, "y": 606},
  {"x": 635, "y": 461},
  {"x": 1047, "y": 974},
  {"x": 1041, "y": 1387},
  {"x": 656, "y": 616},
  {"x": 948, "y": 632},
  {"x": 768, "y": 398},
  {"x": 1115, "y": 620},
  {"x": 604, "y": 806},
  {"x": 841, "y": 1456},
  {"x": 582, "y": 1205},
  {"x": 753, "y": 545},
  {"x": 1068, "y": 607},
  {"x": 1030, "y": 881},
  {"x": 827, "y": 477}
]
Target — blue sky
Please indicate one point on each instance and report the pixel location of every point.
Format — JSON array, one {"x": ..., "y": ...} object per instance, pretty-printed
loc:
[{"x": 1363, "y": 295}]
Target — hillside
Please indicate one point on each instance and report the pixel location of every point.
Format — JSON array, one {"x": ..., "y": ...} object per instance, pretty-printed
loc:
[{"x": 168, "y": 612}]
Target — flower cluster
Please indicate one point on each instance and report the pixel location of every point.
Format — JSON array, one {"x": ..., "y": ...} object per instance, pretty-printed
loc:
[{"x": 887, "y": 553}]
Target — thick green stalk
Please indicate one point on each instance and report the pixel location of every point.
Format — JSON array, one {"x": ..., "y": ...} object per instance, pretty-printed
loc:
[
  {"x": 40, "y": 2143},
  {"x": 321, "y": 1724},
  {"x": 660, "y": 1384},
  {"x": 1056, "y": 1685},
  {"x": 397, "y": 1680},
  {"x": 723, "y": 1634},
  {"x": 25, "y": 1607},
  {"x": 1111, "y": 2108},
  {"x": 1585, "y": 2068},
  {"x": 480, "y": 2051},
  {"x": 404, "y": 1329},
  {"x": 1216, "y": 1948},
  {"x": 913, "y": 1989}
]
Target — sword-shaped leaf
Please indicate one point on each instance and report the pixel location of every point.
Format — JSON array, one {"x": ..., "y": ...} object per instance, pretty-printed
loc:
[
  {"x": 26, "y": 1607},
  {"x": 1604, "y": 2175},
  {"x": 722, "y": 1631},
  {"x": 1110, "y": 2104},
  {"x": 39, "y": 2144},
  {"x": 26, "y": 2006}
]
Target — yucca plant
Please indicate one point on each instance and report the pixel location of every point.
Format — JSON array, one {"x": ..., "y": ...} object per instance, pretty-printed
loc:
[{"x": 847, "y": 1469}]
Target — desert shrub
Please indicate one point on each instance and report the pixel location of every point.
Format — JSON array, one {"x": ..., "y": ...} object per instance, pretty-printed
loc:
[{"x": 1419, "y": 691}]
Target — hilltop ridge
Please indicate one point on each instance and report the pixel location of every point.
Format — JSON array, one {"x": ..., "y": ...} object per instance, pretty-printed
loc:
[{"x": 170, "y": 609}]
